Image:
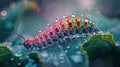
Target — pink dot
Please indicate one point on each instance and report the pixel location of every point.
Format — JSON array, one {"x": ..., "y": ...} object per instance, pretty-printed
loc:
[
  {"x": 24, "y": 1},
  {"x": 12, "y": 5},
  {"x": 3, "y": 12}
]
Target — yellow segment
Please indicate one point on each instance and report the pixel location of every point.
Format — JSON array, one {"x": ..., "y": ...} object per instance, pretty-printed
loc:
[
  {"x": 86, "y": 23},
  {"x": 78, "y": 21},
  {"x": 93, "y": 24},
  {"x": 71, "y": 25}
]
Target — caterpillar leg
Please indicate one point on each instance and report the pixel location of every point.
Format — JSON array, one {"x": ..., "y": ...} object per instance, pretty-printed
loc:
[{"x": 39, "y": 46}]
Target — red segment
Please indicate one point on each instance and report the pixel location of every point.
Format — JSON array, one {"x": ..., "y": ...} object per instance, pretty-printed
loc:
[
  {"x": 46, "y": 37},
  {"x": 52, "y": 33},
  {"x": 42, "y": 39},
  {"x": 29, "y": 42},
  {"x": 36, "y": 41},
  {"x": 57, "y": 29}
]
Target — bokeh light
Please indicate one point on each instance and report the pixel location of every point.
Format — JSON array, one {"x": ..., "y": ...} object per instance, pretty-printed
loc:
[
  {"x": 4, "y": 13},
  {"x": 12, "y": 5}
]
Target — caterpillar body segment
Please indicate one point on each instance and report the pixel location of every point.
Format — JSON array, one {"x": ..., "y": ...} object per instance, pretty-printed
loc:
[
  {"x": 94, "y": 28},
  {"x": 71, "y": 26},
  {"x": 48, "y": 38},
  {"x": 86, "y": 25},
  {"x": 52, "y": 34},
  {"x": 28, "y": 44},
  {"x": 78, "y": 25},
  {"x": 58, "y": 31},
  {"x": 64, "y": 28},
  {"x": 42, "y": 39},
  {"x": 37, "y": 42}
]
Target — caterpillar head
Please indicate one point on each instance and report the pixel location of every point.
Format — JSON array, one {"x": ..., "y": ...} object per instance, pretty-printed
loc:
[{"x": 93, "y": 23}]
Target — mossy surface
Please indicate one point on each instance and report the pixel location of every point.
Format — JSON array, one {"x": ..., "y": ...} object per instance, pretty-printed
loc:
[
  {"x": 102, "y": 51},
  {"x": 34, "y": 56},
  {"x": 8, "y": 59},
  {"x": 100, "y": 40}
]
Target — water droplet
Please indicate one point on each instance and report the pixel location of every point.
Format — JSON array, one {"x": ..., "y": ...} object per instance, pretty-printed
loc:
[
  {"x": 81, "y": 14},
  {"x": 61, "y": 54},
  {"x": 64, "y": 16},
  {"x": 44, "y": 54},
  {"x": 62, "y": 61},
  {"x": 66, "y": 51},
  {"x": 18, "y": 54},
  {"x": 55, "y": 57},
  {"x": 73, "y": 15},
  {"x": 19, "y": 63},
  {"x": 78, "y": 52},
  {"x": 77, "y": 58},
  {"x": 12, "y": 58},
  {"x": 61, "y": 57},
  {"x": 68, "y": 47},
  {"x": 48, "y": 24},
  {"x": 77, "y": 47},
  {"x": 56, "y": 20},
  {"x": 56, "y": 62},
  {"x": 40, "y": 31},
  {"x": 117, "y": 43}
]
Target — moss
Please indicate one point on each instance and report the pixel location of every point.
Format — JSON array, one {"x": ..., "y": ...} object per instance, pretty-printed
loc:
[
  {"x": 100, "y": 40},
  {"x": 34, "y": 56},
  {"x": 102, "y": 48},
  {"x": 99, "y": 43},
  {"x": 8, "y": 59}
]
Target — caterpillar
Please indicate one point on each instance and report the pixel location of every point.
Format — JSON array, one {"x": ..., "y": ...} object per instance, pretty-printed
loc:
[{"x": 61, "y": 31}]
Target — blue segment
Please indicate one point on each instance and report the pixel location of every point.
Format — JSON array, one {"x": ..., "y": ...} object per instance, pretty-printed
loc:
[{"x": 79, "y": 31}]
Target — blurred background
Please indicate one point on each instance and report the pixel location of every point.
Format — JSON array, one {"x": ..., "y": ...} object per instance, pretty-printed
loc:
[
  {"x": 27, "y": 17},
  {"x": 30, "y": 17}
]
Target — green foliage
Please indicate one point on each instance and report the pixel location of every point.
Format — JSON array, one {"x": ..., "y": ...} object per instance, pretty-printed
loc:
[
  {"x": 34, "y": 56},
  {"x": 102, "y": 48},
  {"x": 8, "y": 59},
  {"x": 100, "y": 40},
  {"x": 99, "y": 44}
]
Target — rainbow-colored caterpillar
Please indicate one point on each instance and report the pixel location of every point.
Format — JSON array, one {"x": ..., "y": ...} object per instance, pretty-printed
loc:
[{"x": 60, "y": 31}]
